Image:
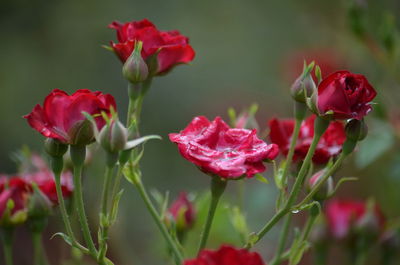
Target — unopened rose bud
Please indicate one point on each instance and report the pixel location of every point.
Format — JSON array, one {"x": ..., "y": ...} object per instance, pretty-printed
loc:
[
  {"x": 356, "y": 130},
  {"x": 326, "y": 189},
  {"x": 54, "y": 147},
  {"x": 182, "y": 212},
  {"x": 82, "y": 133},
  {"x": 113, "y": 137},
  {"x": 135, "y": 68},
  {"x": 370, "y": 225},
  {"x": 303, "y": 87},
  {"x": 39, "y": 205}
]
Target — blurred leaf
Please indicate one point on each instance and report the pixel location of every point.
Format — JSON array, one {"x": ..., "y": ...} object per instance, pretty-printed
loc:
[
  {"x": 379, "y": 140},
  {"x": 261, "y": 178},
  {"x": 138, "y": 141},
  {"x": 238, "y": 221}
]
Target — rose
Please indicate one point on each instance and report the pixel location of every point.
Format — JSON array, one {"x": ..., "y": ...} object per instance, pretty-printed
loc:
[
  {"x": 61, "y": 116},
  {"x": 344, "y": 95},
  {"x": 17, "y": 190},
  {"x": 170, "y": 47},
  {"x": 182, "y": 212},
  {"x": 330, "y": 144},
  {"x": 226, "y": 255},
  {"x": 219, "y": 150},
  {"x": 345, "y": 215},
  {"x": 35, "y": 170}
]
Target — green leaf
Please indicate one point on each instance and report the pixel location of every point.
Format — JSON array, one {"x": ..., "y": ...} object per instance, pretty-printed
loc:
[
  {"x": 340, "y": 182},
  {"x": 261, "y": 178},
  {"x": 297, "y": 252},
  {"x": 380, "y": 139},
  {"x": 132, "y": 144},
  {"x": 232, "y": 116},
  {"x": 64, "y": 236},
  {"x": 318, "y": 74},
  {"x": 238, "y": 221}
]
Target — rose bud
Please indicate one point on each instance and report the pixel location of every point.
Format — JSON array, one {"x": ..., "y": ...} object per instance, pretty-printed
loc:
[
  {"x": 54, "y": 147},
  {"x": 304, "y": 85},
  {"x": 135, "y": 68},
  {"x": 113, "y": 136},
  {"x": 371, "y": 224},
  {"x": 330, "y": 144},
  {"x": 356, "y": 130},
  {"x": 219, "y": 150},
  {"x": 226, "y": 255},
  {"x": 325, "y": 191},
  {"x": 345, "y": 216},
  {"x": 14, "y": 197},
  {"x": 39, "y": 204},
  {"x": 182, "y": 212},
  {"x": 61, "y": 116},
  {"x": 344, "y": 95},
  {"x": 164, "y": 49}
]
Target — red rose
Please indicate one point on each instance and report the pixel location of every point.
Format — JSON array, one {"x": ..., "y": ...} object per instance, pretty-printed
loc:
[
  {"x": 35, "y": 170},
  {"x": 61, "y": 115},
  {"x": 182, "y": 211},
  {"x": 16, "y": 189},
  {"x": 330, "y": 144},
  {"x": 173, "y": 47},
  {"x": 346, "y": 95},
  {"x": 343, "y": 216},
  {"x": 226, "y": 255},
  {"x": 219, "y": 150}
]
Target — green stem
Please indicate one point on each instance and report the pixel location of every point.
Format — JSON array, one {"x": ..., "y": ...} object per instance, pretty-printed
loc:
[
  {"x": 324, "y": 178},
  {"x": 7, "y": 236},
  {"x": 38, "y": 251},
  {"x": 104, "y": 214},
  {"x": 319, "y": 128},
  {"x": 217, "y": 188},
  {"x": 81, "y": 210},
  {"x": 117, "y": 182},
  {"x": 57, "y": 166},
  {"x": 150, "y": 207},
  {"x": 282, "y": 240},
  {"x": 299, "y": 113},
  {"x": 297, "y": 125}
]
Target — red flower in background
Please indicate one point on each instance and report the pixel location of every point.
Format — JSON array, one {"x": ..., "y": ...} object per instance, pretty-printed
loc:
[
  {"x": 343, "y": 215},
  {"x": 38, "y": 172},
  {"x": 217, "y": 149},
  {"x": 346, "y": 95},
  {"x": 226, "y": 255},
  {"x": 61, "y": 116},
  {"x": 172, "y": 47},
  {"x": 16, "y": 189},
  {"x": 182, "y": 211},
  {"x": 330, "y": 144}
]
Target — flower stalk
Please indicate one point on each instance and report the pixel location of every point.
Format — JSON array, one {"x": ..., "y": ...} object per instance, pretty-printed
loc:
[
  {"x": 7, "y": 235},
  {"x": 218, "y": 186}
]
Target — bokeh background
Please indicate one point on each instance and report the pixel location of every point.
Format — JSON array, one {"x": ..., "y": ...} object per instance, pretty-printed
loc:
[{"x": 246, "y": 52}]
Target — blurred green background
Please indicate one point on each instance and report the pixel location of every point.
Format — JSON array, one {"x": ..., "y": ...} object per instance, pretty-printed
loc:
[{"x": 246, "y": 52}]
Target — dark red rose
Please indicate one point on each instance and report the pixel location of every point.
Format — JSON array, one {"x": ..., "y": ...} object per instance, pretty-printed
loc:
[
  {"x": 226, "y": 255},
  {"x": 219, "y": 150},
  {"x": 330, "y": 144},
  {"x": 61, "y": 116},
  {"x": 173, "y": 47},
  {"x": 36, "y": 171},
  {"x": 16, "y": 189},
  {"x": 182, "y": 212},
  {"x": 345, "y": 95},
  {"x": 344, "y": 215}
]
